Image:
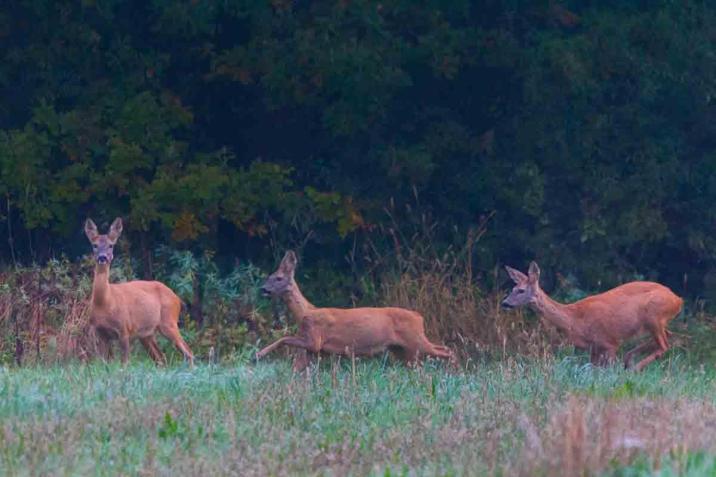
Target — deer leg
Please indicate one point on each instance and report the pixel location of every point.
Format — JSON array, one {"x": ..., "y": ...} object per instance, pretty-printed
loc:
[
  {"x": 309, "y": 338},
  {"x": 422, "y": 345},
  {"x": 266, "y": 350},
  {"x": 124, "y": 346},
  {"x": 444, "y": 349},
  {"x": 150, "y": 344},
  {"x": 295, "y": 341},
  {"x": 104, "y": 347},
  {"x": 302, "y": 360},
  {"x": 648, "y": 346},
  {"x": 442, "y": 352},
  {"x": 652, "y": 357},
  {"x": 171, "y": 332},
  {"x": 409, "y": 356},
  {"x": 104, "y": 344},
  {"x": 600, "y": 355},
  {"x": 438, "y": 351},
  {"x": 158, "y": 351},
  {"x": 608, "y": 356},
  {"x": 663, "y": 346},
  {"x": 148, "y": 348}
]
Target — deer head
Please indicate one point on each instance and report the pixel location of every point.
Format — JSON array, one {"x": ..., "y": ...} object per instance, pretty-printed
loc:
[
  {"x": 280, "y": 281},
  {"x": 525, "y": 289},
  {"x": 102, "y": 245}
]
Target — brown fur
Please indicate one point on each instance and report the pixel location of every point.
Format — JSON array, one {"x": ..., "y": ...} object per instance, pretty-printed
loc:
[
  {"x": 354, "y": 331},
  {"x": 601, "y": 323},
  {"x": 136, "y": 309}
]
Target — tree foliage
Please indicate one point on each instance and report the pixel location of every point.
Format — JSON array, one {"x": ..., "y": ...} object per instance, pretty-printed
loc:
[{"x": 584, "y": 129}]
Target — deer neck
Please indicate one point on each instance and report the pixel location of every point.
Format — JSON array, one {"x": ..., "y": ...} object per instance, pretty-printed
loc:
[
  {"x": 296, "y": 302},
  {"x": 100, "y": 285},
  {"x": 554, "y": 312}
]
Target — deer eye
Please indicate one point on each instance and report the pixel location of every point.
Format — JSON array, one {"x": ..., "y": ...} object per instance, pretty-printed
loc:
[
  {"x": 520, "y": 290},
  {"x": 278, "y": 279}
]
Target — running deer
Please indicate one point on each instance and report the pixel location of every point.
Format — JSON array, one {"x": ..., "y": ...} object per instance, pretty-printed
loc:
[
  {"x": 354, "y": 331},
  {"x": 601, "y": 323},
  {"x": 136, "y": 309}
]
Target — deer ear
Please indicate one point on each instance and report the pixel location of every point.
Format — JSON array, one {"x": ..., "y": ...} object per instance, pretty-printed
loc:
[
  {"x": 534, "y": 272},
  {"x": 91, "y": 230},
  {"x": 115, "y": 230},
  {"x": 288, "y": 264},
  {"x": 516, "y": 275}
]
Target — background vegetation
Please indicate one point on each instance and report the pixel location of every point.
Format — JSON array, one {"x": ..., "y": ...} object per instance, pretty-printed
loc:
[{"x": 580, "y": 133}]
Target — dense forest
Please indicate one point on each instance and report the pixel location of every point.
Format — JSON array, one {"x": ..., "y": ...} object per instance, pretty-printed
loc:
[{"x": 578, "y": 133}]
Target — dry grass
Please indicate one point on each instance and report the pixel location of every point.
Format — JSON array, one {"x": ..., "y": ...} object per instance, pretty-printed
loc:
[
  {"x": 458, "y": 313},
  {"x": 44, "y": 314},
  {"x": 587, "y": 435},
  {"x": 457, "y": 310}
]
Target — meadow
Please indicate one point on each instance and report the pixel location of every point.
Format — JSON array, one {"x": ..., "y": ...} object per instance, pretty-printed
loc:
[{"x": 554, "y": 415}]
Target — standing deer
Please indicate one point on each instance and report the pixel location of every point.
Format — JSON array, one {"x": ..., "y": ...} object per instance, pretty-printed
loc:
[
  {"x": 355, "y": 331},
  {"x": 601, "y": 323},
  {"x": 136, "y": 309}
]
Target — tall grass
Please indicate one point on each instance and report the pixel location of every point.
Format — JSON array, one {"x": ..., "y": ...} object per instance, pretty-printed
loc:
[{"x": 460, "y": 313}]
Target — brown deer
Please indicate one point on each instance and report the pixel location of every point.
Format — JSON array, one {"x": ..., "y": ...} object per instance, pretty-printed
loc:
[
  {"x": 601, "y": 323},
  {"x": 136, "y": 309},
  {"x": 355, "y": 331}
]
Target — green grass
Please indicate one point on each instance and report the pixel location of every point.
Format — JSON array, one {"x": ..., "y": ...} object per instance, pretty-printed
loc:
[{"x": 512, "y": 417}]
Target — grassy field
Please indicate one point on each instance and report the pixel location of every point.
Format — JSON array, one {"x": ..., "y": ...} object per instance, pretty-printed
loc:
[{"x": 510, "y": 417}]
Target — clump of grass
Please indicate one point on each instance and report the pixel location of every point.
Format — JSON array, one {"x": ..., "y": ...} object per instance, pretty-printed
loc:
[{"x": 587, "y": 435}]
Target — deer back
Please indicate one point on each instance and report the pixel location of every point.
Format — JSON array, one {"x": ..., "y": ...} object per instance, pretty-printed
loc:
[
  {"x": 626, "y": 310},
  {"x": 366, "y": 330},
  {"x": 138, "y": 307}
]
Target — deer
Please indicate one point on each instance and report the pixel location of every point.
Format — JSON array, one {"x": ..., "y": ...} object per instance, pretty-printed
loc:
[
  {"x": 130, "y": 310},
  {"x": 602, "y": 323},
  {"x": 352, "y": 331}
]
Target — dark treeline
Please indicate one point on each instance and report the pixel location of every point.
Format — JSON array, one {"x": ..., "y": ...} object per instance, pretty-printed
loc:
[{"x": 580, "y": 133}]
